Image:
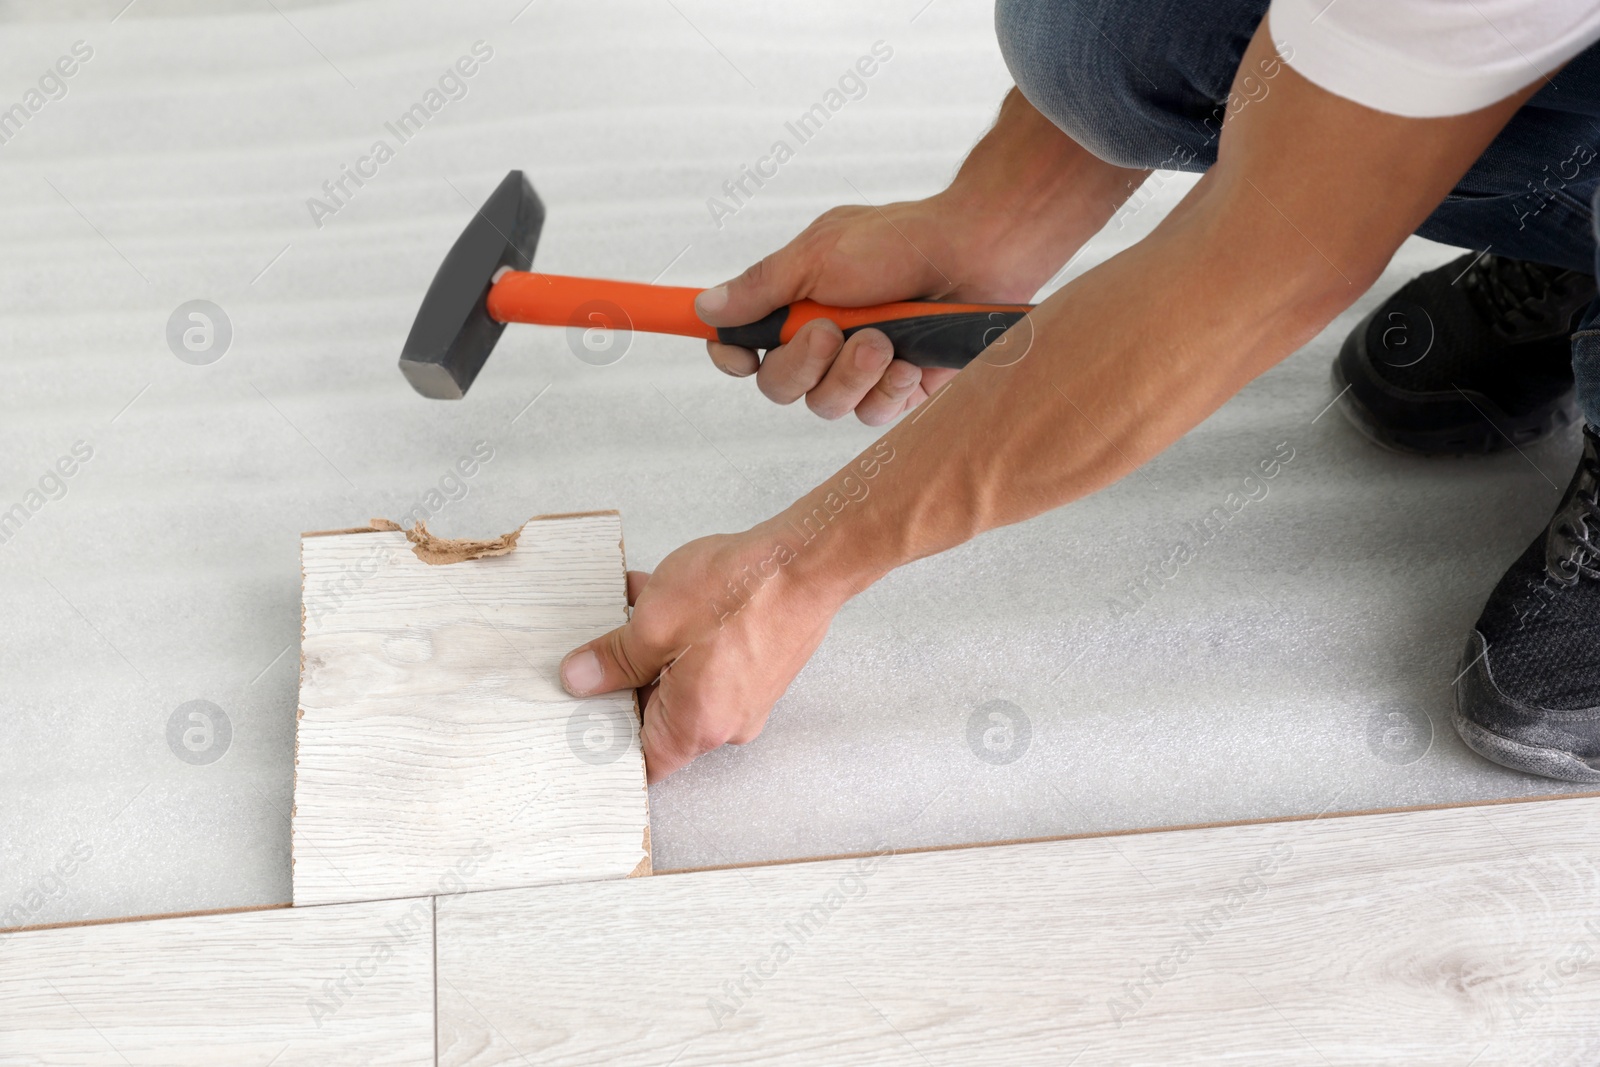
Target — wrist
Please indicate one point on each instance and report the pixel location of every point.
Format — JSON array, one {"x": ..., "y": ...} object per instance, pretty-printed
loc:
[
  {"x": 1007, "y": 242},
  {"x": 1027, "y": 197}
]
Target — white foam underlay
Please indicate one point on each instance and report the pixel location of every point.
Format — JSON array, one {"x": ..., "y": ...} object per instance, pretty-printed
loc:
[{"x": 1248, "y": 687}]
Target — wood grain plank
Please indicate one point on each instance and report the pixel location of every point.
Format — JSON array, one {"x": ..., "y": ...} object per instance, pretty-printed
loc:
[
  {"x": 1444, "y": 937},
  {"x": 437, "y": 751},
  {"x": 321, "y": 987}
]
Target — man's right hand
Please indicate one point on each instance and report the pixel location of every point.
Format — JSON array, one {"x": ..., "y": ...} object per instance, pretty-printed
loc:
[
  {"x": 851, "y": 257},
  {"x": 1023, "y": 202}
]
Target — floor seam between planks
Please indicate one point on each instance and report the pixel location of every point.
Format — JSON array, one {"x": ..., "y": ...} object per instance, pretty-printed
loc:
[
  {"x": 918, "y": 850},
  {"x": 1138, "y": 831},
  {"x": 434, "y": 901}
]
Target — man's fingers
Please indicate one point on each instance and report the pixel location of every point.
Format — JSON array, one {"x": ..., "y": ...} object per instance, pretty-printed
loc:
[
  {"x": 733, "y": 360},
  {"x": 771, "y": 283},
  {"x": 671, "y": 736},
  {"x": 793, "y": 370},
  {"x": 674, "y": 735},
  {"x": 859, "y": 367},
  {"x": 933, "y": 379},
  {"x": 616, "y": 661},
  {"x": 664, "y": 750},
  {"x": 636, "y": 583},
  {"x": 888, "y": 398}
]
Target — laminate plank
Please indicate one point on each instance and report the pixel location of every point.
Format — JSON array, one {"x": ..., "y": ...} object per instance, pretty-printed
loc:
[
  {"x": 320, "y": 987},
  {"x": 436, "y": 751},
  {"x": 1438, "y": 937}
]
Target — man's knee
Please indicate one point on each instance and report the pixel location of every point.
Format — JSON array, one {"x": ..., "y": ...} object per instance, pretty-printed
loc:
[{"x": 1136, "y": 82}]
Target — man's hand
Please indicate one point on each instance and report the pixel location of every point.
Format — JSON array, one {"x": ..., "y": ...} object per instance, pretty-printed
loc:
[
  {"x": 716, "y": 635},
  {"x": 1023, "y": 202},
  {"x": 851, "y": 256}
]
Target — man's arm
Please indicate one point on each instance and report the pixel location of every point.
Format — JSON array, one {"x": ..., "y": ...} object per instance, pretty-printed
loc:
[{"x": 1309, "y": 198}]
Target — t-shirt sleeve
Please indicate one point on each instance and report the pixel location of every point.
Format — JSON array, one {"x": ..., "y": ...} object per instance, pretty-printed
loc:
[{"x": 1430, "y": 58}]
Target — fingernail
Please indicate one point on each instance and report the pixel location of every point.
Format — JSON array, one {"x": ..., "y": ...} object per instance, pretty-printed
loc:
[
  {"x": 711, "y": 301},
  {"x": 581, "y": 673},
  {"x": 902, "y": 376}
]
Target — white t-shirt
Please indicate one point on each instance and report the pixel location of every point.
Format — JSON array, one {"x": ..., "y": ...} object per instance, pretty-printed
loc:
[{"x": 1429, "y": 58}]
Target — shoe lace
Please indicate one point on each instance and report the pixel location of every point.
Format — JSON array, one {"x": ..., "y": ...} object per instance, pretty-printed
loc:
[
  {"x": 1584, "y": 527},
  {"x": 1514, "y": 293}
]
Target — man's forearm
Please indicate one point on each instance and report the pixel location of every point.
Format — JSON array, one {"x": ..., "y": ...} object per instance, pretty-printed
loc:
[
  {"x": 1110, "y": 379},
  {"x": 1033, "y": 196},
  {"x": 1310, "y": 197}
]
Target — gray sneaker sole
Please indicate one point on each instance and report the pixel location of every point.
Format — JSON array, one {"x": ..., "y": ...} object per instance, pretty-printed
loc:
[{"x": 1477, "y": 683}]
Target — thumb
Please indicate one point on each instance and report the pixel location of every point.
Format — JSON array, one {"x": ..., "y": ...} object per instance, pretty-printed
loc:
[
  {"x": 776, "y": 280},
  {"x": 616, "y": 661}
]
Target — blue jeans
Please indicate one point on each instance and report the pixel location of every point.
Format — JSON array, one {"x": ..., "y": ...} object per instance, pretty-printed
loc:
[{"x": 1146, "y": 83}]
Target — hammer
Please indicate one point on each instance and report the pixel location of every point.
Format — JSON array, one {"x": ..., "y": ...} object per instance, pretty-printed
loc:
[{"x": 485, "y": 282}]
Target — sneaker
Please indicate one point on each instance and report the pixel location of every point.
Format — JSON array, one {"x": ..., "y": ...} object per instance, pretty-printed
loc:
[
  {"x": 1471, "y": 357},
  {"x": 1528, "y": 696}
]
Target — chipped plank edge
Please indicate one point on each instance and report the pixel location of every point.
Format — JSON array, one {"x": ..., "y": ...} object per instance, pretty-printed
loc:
[
  {"x": 644, "y": 869},
  {"x": 536, "y": 518},
  {"x": 646, "y": 866}
]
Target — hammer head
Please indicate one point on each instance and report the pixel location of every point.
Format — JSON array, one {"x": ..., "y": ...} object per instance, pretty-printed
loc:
[{"x": 453, "y": 333}]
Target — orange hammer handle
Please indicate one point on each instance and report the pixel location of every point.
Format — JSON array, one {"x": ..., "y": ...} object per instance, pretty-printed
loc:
[
  {"x": 924, "y": 332},
  {"x": 557, "y": 300}
]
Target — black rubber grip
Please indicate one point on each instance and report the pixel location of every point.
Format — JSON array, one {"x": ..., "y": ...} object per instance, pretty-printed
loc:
[
  {"x": 952, "y": 339},
  {"x": 761, "y": 334}
]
